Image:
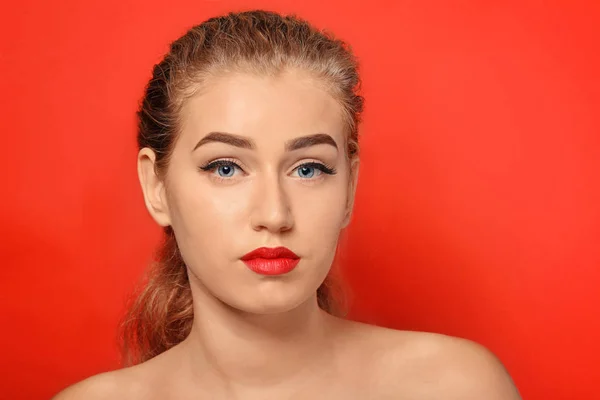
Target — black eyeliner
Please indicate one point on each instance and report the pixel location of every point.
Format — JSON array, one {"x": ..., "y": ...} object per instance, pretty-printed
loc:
[
  {"x": 322, "y": 167},
  {"x": 218, "y": 163}
]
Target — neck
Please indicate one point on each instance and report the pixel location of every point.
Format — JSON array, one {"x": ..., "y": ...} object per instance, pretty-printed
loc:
[{"x": 252, "y": 349}]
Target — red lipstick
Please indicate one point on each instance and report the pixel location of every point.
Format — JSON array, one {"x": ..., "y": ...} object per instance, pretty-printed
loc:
[{"x": 271, "y": 261}]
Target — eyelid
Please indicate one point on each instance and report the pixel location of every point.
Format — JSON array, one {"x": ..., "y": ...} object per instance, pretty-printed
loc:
[
  {"x": 221, "y": 161},
  {"x": 317, "y": 164}
]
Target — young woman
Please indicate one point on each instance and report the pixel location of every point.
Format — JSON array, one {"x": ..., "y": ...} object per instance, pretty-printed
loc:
[{"x": 248, "y": 137}]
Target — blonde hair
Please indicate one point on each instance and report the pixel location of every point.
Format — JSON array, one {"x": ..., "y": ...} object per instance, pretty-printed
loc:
[{"x": 254, "y": 41}]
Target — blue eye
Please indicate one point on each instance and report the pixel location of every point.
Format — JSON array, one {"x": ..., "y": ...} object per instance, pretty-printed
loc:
[
  {"x": 312, "y": 169},
  {"x": 224, "y": 169},
  {"x": 306, "y": 172}
]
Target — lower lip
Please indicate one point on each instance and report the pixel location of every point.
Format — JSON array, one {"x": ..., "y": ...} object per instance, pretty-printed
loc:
[{"x": 272, "y": 266}]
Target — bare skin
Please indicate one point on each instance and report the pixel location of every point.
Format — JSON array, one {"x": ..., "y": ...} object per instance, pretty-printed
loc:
[
  {"x": 266, "y": 338},
  {"x": 358, "y": 362}
]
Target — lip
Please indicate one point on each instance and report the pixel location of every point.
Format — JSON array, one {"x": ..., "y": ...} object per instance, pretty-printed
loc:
[{"x": 271, "y": 261}]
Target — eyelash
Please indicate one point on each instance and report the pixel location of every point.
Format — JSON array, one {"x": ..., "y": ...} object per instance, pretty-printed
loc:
[{"x": 211, "y": 166}]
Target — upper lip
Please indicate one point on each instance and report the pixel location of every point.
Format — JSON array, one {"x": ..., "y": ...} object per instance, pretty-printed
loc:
[{"x": 270, "y": 252}]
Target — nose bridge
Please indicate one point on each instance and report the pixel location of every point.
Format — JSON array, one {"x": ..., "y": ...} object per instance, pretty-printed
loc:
[{"x": 271, "y": 206}]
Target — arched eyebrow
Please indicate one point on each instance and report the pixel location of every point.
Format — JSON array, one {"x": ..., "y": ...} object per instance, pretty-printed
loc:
[
  {"x": 247, "y": 143},
  {"x": 308, "y": 141}
]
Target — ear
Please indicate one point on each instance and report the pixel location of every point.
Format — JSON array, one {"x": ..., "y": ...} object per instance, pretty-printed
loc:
[
  {"x": 153, "y": 187},
  {"x": 353, "y": 181}
]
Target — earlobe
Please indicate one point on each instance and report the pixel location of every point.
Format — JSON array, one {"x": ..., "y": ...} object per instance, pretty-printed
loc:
[
  {"x": 153, "y": 187},
  {"x": 347, "y": 219}
]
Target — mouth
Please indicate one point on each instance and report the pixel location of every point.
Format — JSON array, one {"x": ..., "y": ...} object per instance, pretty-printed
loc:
[{"x": 271, "y": 261}]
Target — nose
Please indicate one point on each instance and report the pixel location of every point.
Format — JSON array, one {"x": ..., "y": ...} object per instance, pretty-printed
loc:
[{"x": 271, "y": 207}]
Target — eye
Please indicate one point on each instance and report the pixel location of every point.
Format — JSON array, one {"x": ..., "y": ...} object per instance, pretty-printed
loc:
[
  {"x": 313, "y": 169},
  {"x": 222, "y": 168},
  {"x": 307, "y": 172},
  {"x": 225, "y": 170}
]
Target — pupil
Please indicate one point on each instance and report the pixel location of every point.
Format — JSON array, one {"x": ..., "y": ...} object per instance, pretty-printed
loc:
[
  {"x": 225, "y": 169},
  {"x": 306, "y": 171}
]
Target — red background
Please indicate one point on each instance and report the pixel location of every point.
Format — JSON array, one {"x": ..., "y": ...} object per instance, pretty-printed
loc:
[{"x": 478, "y": 210}]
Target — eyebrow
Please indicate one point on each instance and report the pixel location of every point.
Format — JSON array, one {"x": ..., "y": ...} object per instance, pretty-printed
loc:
[{"x": 246, "y": 143}]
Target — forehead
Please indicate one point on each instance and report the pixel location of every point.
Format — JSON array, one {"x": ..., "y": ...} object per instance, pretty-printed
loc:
[{"x": 263, "y": 107}]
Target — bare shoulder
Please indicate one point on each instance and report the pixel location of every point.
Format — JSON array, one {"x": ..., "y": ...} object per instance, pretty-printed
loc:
[
  {"x": 102, "y": 386},
  {"x": 119, "y": 384},
  {"x": 147, "y": 380},
  {"x": 460, "y": 369},
  {"x": 428, "y": 365}
]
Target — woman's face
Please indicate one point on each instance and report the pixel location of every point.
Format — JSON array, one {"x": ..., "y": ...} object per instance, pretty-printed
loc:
[{"x": 260, "y": 162}]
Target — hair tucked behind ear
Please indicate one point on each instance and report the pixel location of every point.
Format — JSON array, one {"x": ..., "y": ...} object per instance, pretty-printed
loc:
[{"x": 259, "y": 42}]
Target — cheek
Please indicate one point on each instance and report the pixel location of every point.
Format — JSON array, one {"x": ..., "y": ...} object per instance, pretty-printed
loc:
[
  {"x": 207, "y": 222},
  {"x": 322, "y": 216},
  {"x": 319, "y": 216}
]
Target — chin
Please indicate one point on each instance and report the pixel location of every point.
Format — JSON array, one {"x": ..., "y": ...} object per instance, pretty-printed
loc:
[{"x": 272, "y": 298}]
